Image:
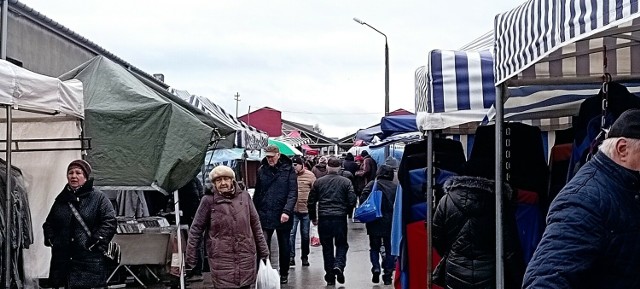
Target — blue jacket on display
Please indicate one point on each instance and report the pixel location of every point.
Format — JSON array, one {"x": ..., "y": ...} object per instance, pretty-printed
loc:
[{"x": 593, "y": 231}]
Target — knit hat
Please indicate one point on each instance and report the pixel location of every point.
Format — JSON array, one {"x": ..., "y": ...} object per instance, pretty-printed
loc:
[
  {"x": 83, "y": 165},
  {"x": 364, "y": 154},
  {"x": 627, "y": 125},
  {"x": 297, "y": 160},
  {"x": 349, "y": 157},
  {"x": 221, "y": 171},
  {"x": 359, "y": 158},
  {"x": 323, "y": 160}
]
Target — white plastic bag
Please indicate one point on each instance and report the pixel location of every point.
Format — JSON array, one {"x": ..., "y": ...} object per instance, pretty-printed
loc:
[
  {"x": 268, "y": 278},
  {"x": 314, "y": 236}
]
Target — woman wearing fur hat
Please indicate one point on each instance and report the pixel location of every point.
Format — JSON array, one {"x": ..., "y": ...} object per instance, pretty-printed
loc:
[
  {"x": 234, "y": 239},
  {"x": 77, "y": 257}
]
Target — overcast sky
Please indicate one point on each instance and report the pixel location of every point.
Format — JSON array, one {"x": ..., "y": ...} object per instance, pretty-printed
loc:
[{"x": 308, "y": 59}]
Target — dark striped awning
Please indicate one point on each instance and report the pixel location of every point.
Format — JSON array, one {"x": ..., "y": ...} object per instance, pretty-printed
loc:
[{"x": 567, "y": 38}]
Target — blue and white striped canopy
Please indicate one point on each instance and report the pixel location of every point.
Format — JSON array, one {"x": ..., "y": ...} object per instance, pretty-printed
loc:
[
  {"x": 567, "y": 38},
  {"x": 456, "y": 88}
]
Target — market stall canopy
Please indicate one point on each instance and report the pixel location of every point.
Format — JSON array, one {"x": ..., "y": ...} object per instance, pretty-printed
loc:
[
  {"x": 294, "y": 138},
  {"x": 405, "y": 138},
  {"x": 567, "y": 39},
  {"x": 397, "y": 124},
  {"x": 140, "y": 138},
  {"x": 368, "y": 134},
  {"x": 29, "y": 91},
  {"x": 244, "y": 135},
  {"x": 459, "y": 97},
  {"x": 285, "y": 148},
  {"x": 46, "y": 115}
]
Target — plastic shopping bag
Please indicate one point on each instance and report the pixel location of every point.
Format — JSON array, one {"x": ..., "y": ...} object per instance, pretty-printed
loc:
[
  {"x": 371, "y": 209},
  {"x": 314, "y": 236},
  {"x": 268, "y": 278}
]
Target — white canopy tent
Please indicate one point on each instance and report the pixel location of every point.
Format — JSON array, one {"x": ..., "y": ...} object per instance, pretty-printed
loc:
[{"x": 43, "y": 121}]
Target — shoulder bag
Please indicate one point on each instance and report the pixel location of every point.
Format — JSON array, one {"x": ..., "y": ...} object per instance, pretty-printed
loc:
[
  {"x": 113, "y": 249},
  {"x": 371, "y": 209}
]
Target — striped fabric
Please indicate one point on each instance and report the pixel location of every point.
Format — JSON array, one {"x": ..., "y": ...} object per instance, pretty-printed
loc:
[
  {"x": 459, "y": 89},
  {"x": 294, "y": 141},
  {"x": 566, "y": 38},
  {"x": 246, "y": 136},
  {"x": 421, "y": 91}
]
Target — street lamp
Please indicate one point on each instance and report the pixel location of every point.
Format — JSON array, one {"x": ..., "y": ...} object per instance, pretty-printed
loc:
[{"x": 386, "y": 76}]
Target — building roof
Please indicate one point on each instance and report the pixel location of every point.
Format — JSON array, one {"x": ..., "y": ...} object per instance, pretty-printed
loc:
[{"x": 48, "y": 23}]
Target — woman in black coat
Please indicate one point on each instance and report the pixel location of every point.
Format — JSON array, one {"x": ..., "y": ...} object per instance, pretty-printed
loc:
[
  {"x": 464, "y": 232},
  {"x": 379, "y": 231},
  {"x": 77, "y": 260}
]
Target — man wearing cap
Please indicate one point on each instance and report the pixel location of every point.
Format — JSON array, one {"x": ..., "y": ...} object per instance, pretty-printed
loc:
[
  {"x": 301, "y": 212},
  {"x": 275, "y": 196},
  {"x": 592, "y": 239},
  {"x": 333, "y": 194}
]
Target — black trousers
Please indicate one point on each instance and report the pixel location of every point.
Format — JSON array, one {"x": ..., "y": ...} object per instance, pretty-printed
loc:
[
  {"x": 283, "y": 236},
  {"x": 333, "y": 231}
]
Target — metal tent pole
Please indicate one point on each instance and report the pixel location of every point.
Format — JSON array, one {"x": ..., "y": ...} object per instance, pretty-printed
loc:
[
  {"x": 501, "y": 94},
  {"x": 430, "y": 207},
  {"x": 7, "y": 247},
  {"x": 176, "y": 208},
  {"x": 7, "y": 211}
]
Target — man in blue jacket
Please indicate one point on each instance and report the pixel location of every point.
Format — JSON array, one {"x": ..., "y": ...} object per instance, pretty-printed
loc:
[
  {"x": 592, "y": 239},
  {"x": 275, "y": 196}
]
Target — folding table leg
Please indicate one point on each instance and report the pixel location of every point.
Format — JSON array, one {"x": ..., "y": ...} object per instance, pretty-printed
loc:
[
  {"x": 134, "y": 276},
  {"x": 152, "y": 274},
  {"x": 113, "y": 273}
]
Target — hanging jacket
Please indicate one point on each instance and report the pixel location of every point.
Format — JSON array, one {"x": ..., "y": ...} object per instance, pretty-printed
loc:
[
  {"x": 233, "y": 238},
  {"x": 72, "y": 263},
  {"x": 382, "y": 226},
  {"x": 276, "y": 193},
  {"x": 593, "y": 231},
  {"x": 464, "y": 229}
]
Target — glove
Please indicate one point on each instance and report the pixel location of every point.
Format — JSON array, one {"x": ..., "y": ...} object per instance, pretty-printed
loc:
[{"x": 97, "y": 244}]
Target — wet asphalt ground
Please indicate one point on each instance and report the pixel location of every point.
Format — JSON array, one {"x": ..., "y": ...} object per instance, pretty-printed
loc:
[{"x": 357, "y": 273}]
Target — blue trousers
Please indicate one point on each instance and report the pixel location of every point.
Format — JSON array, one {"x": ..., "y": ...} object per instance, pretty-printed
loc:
[
  {"x": 304, "y": 221},
  {"x": 388, "y": 262}
]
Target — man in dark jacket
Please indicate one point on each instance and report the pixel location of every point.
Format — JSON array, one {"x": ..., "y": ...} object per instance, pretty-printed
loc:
[
  {"x": 593, "y": 225},
  {"x": 334, "y": 197},
  {"x": 275, "y": 196},
  {"x": 369, "y": 167},
  {"x": 350, "y": 165},
  {"x": 379, "y": 231}
]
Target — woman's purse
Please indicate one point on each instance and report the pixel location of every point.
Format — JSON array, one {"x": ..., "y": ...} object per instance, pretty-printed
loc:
[{"x": 113, "y": 249}]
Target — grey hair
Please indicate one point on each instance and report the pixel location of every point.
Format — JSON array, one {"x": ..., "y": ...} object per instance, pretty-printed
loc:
[{"x": 608, "y": 146}]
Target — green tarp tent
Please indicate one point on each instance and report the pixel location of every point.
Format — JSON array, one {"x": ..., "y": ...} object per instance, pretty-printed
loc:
[{"x": 140, "y": 138}]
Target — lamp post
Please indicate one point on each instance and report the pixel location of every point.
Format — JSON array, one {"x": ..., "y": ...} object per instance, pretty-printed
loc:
[{"x": 386, "y": 75}]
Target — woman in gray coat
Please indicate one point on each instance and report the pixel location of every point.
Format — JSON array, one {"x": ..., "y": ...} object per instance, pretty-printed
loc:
[{"x": 234, "y": 239}]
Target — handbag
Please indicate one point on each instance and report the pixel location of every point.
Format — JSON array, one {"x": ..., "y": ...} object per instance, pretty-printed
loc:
[
  {"x": 371, "y": 209},
  {"x": 113, "y": 249}
]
